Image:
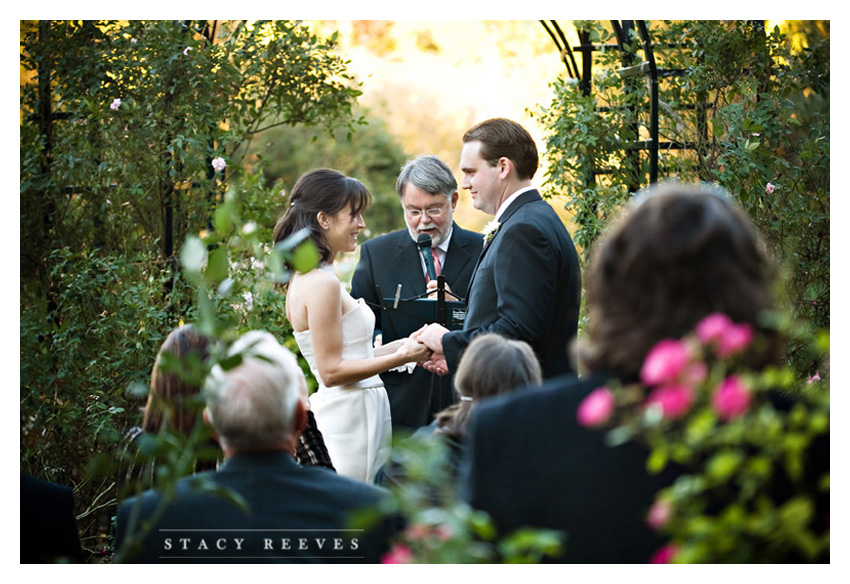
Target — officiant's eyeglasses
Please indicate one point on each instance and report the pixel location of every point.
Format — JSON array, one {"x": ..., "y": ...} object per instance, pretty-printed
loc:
[{"x": 431, "y": 212}]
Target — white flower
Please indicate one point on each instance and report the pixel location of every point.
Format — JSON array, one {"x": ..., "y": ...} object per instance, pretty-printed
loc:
[
  {"x": 218, "y": 163},
  {"x": 490, "y": 230},
  {"x": 116, "y": 103},
  {"x": 186, "y": 51}
]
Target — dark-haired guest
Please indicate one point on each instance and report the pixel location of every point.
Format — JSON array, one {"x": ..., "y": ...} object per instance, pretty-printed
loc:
[
  {"x": 492, "y": 365},
  {"x": 677, "y": 256}
]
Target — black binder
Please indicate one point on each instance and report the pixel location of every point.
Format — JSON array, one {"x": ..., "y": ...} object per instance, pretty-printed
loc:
[{"x": 400, "y": 317}]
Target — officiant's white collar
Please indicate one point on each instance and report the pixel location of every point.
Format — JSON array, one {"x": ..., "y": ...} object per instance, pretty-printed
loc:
[{"x": 511, "y": 199}]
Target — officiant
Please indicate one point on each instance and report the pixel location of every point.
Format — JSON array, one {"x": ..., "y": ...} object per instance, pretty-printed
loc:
[{"x": 428, "y": 195}]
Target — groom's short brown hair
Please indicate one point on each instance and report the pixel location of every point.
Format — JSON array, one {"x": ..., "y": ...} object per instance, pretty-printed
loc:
[{"x": 502, "y": 137}]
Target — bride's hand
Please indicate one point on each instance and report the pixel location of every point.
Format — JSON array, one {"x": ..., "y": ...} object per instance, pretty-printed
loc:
[{"x": 416, "y": 351}]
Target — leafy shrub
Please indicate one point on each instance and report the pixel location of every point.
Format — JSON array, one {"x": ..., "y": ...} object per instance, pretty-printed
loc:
[
  {"x": 756, "y": 118},
  {"x": 752, "y": 446}
]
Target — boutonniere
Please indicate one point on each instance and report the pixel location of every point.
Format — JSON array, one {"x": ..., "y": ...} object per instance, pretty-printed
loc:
[{"x": 490, "y": 230}]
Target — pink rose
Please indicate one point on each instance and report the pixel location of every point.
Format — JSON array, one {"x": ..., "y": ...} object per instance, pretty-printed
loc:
[
  {"x": 735, "y": 339},
  {"x": 399, "y": 554},
  {"x": 731, "y": 399},
  {"x": 664, "y": 555},
  {"x": 443, "y": 532},
  {"x": 665, "y": 362},
  {"x": 769, "y": 188},
  {"x": 659, "y": 514},
  {"x": 674, "y": 400},
  {"x": 596, "y": 408},
  {"x": 417, "y": 531},
  {"x": 712, "y": 327},
  {"x": 727, "y": 337},
  {"x": 695, "y": 373}
]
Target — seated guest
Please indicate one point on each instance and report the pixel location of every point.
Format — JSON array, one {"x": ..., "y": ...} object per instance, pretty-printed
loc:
[
  {"x": 48, "y": 527},
  {"x": 679, "y": 255},
  {"x": 175, "y": 402},
  {"x": 260, "y": 506},
  {"x": 492, "y": 365}
]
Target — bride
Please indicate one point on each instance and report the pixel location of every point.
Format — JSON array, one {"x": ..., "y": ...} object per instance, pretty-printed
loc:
[{"x": 334, "y": 331}]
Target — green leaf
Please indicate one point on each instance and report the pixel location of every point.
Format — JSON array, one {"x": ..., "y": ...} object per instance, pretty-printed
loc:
[
  {"x": 305, "y": 257},
  {"x": 217, "y": 265},
  {"x": 724, "y": 464},
  {"x": 223, "y": 218},
  {"x": 657, "y": 460},
  {"x": 193, "y": 255}
]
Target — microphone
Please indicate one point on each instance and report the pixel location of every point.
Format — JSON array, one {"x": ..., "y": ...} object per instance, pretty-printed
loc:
[{"x": 424, "y": 243}]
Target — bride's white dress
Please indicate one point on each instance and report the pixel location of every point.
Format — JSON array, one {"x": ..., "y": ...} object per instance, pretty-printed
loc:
[{"x": 354, "y": 419}]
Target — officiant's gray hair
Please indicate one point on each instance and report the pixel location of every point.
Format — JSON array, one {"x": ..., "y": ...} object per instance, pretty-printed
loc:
[
  {"x": 252, "y": 394},
  {"x": 429, "y": 173}
]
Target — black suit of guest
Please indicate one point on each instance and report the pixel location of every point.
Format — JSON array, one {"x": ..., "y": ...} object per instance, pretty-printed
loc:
[
  {"x": 285, "y": 502},
  {"x": 48, "y": 528},
  {"x": 531, "y": 464},
  {"x": 393, "y": 259},
  {"x": 527, "y": 286}
]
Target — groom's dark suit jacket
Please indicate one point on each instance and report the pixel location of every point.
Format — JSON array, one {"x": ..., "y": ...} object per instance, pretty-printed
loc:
[
  {"x": 293, "y": 514},
  {"x": 527, "y": 286},
  {"x": 393, "y": 259}
]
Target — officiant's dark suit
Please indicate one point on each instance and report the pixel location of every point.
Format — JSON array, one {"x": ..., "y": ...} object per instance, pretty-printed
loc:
[
  {"x": 527, "y": 284},
  {"x": 424, "y": 184}
]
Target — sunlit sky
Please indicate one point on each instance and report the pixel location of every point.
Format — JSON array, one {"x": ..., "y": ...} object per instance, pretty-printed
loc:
[{"x": 430, "y": 98}]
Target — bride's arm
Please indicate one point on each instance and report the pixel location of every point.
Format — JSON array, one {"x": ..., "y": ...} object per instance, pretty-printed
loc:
[{"x": 324, "y": 316}]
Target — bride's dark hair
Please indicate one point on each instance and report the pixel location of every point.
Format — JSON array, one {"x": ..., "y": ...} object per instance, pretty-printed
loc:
[{"x": 319, "y": 190}]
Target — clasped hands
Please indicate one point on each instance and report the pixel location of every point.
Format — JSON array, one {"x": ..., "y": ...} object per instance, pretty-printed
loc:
[
  {"x": 426, "y": 345},
  {"x": 431, "y": 336}
]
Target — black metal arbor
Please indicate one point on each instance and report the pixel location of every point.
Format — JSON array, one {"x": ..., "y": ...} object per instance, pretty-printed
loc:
[{"x": 632, "y": 67}]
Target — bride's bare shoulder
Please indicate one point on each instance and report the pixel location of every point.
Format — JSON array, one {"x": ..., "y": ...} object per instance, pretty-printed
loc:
[{"x": 315, "y": 281}]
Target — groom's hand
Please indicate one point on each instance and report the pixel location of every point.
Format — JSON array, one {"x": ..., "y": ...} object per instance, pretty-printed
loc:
[
  {"x": 432, "y": 336},
  {"x": 436, "y": 364}
]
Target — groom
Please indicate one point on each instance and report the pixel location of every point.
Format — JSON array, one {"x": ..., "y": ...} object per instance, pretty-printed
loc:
[{"x": 527, "y": 283}]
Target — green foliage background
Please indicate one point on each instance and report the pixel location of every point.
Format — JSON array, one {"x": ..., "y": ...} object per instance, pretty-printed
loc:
[
  {"x": 754, "y": 109},
  {"x": 109, "y": 196}
]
